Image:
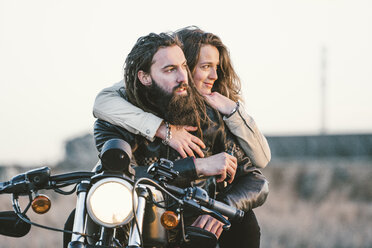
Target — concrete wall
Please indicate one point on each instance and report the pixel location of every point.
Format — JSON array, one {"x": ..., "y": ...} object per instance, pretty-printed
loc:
[{"x": 321, "y": 146}]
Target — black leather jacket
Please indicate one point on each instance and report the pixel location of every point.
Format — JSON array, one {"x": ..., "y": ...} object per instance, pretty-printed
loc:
[{"x": 249, "y": 188}]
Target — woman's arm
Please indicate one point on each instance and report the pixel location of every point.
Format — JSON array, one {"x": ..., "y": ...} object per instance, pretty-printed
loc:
[
  {"x": 250, "y": 138},
  {"x": 110, "y": 106}
]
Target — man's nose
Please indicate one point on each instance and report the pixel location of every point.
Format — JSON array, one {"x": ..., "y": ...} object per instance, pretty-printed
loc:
[
  {"x": 182, "y": 76},
  {"x": 213, "y": 74}
]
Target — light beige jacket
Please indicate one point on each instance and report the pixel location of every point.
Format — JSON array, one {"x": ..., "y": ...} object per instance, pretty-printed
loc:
[{"x": 111, "y": 107}]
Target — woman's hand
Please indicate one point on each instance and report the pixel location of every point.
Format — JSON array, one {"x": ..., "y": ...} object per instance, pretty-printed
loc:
[
  {"x": 182, "y": 141},
  {"x": 223, "y": 104}
]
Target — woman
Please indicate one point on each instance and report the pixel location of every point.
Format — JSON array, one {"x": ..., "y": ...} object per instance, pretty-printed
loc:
[{"x": 214, "y": 77}]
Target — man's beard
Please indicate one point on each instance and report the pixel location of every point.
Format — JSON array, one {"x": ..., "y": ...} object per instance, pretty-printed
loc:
[{"x": 177, "y": 109}]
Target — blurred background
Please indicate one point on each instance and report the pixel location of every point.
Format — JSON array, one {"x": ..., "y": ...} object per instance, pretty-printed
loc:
[{"x": 306, "y": 71}]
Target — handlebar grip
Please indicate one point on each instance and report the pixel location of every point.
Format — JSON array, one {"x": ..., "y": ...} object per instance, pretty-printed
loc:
[{"x": 224, "y": 209}]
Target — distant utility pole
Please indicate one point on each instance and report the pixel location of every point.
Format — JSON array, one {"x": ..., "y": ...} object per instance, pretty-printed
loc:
[{"x": 323, "y": 80}]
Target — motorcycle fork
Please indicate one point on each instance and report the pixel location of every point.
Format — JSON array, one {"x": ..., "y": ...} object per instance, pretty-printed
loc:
[
  {"x": 135, "y": 232},
  {"x": 79, "y": 220},
  {"x": 106, "y": 236}
]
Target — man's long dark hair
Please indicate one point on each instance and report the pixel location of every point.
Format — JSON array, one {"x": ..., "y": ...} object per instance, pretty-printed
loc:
[
  {"x": 193, "y": 38},
  {"x": 141, "y": 58}
]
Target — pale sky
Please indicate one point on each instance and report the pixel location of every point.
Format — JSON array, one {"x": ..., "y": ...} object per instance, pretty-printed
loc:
[{"x": 55, "y": 56}]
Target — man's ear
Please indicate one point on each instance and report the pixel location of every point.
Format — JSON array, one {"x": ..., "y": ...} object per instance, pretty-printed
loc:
[{"x": 144, "y": 77}]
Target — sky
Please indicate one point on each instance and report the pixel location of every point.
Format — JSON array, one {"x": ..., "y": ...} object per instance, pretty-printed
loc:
[{"x": 55, "y": 56}]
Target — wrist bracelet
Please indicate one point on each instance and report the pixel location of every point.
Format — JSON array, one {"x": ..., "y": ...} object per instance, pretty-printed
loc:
[
  {"x": 233, "y": 111},
  {"x": 168, "y": 135}
]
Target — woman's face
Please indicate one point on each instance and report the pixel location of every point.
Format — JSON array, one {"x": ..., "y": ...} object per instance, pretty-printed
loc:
[{"x": 205, "y": 72}]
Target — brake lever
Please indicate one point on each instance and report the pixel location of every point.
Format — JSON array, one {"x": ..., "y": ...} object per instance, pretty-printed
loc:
[
  {"x": 217, "y": 216},
  {"x": 208, "y": 211}
]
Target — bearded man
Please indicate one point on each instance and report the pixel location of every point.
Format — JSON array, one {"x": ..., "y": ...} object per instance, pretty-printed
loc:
[{"x": 157, "y": 81}]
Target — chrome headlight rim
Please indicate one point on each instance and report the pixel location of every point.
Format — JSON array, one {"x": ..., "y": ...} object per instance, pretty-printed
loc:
[{"x": 100, "y": 183}]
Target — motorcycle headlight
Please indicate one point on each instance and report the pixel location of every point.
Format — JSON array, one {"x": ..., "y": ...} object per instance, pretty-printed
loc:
[{"x": 109, "y": 202}]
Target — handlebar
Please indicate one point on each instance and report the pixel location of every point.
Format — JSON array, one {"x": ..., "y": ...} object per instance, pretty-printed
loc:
[
  {"x": 226, "y": 210},
  {"x": 163, "y": 172},
  {"x": 204, "y": 200},
  {"x": 39, "y": 179},
  {"x": 72, "y": 176}
]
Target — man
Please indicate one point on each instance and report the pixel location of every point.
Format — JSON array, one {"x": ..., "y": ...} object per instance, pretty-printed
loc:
[{"x": 156, "y": 77}]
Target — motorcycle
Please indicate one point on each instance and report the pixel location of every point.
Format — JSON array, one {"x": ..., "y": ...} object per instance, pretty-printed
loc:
[{"x": 113, "y": 209}]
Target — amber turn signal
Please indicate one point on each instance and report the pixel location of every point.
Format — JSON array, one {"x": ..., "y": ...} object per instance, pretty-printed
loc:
[
  {"x": 169, "y": 220},
  {"x": 41, "y": 204}
]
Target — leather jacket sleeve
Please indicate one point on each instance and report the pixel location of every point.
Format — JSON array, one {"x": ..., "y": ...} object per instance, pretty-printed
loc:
[
  {"x": 246, "y": 192},
  {"x": 104, "y": 131},
  {"x": 185, "y": 167}
]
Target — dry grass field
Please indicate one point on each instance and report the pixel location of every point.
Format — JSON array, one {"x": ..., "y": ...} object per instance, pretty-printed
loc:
[
  {"x": 318, "y": 204},
  {"x": 311, "y": 204}
]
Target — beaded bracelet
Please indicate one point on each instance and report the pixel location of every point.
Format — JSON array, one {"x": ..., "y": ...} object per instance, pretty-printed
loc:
[{"x": 168, "y": 135}]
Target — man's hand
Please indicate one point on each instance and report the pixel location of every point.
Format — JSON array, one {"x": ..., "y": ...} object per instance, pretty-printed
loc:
[
  {"x": 220, "y": 102},
  {"x": 182, "y": 141},
  {"x": 210, "y": 224},
  {"x": 221, "y": 164}
]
